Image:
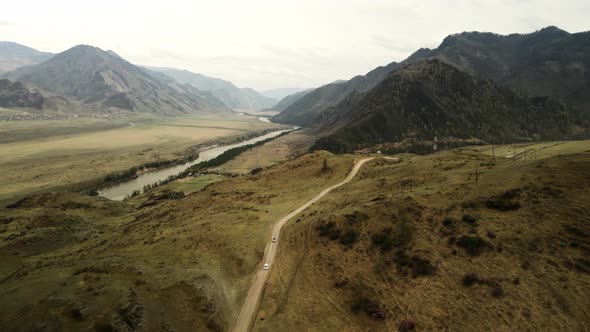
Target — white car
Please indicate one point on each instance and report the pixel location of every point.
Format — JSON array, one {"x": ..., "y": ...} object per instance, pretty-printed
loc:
[
  {"x": 274, "y": 239},
  {"x": 266, "y": 266}
]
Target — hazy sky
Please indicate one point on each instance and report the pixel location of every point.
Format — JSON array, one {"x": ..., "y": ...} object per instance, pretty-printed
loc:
[{"x": 272, "y": 44}]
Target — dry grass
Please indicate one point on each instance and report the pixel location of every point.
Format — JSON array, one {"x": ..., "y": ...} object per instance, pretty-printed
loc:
[
  {"x": 183, "y": 264},
  {"x": 534, "y": 272}
]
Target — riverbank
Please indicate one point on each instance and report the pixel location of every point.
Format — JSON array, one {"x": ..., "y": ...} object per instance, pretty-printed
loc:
[{"x": 139, "y": 183}]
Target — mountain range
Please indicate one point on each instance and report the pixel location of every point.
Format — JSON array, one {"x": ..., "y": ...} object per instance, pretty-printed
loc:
[
  {"x": 100, "y": 79},
  {"x": 365, "y": 110},
  {"x": 549, "y": 62},
  {"x": 289, "y": 100},
  {"x": 231, "y": 95},
  {"x": 431, "y": 98},
  {"x": 86, "y": 78},
  {"x": 13, "y": 55},
  {"x": 281, "y": 93},
  {"x": 305, "y": 109}
]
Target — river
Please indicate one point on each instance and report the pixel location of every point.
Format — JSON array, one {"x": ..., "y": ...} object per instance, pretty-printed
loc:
[{"x": 119, "y": 191}]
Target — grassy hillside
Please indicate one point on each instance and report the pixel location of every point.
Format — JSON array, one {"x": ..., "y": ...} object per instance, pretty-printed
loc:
[
  {"x": 418, "y": 244},
  {"x": 156, "y": 262}
]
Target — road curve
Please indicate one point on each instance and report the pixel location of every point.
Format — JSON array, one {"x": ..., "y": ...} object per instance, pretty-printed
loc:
[{"x": 250, "y": 306}]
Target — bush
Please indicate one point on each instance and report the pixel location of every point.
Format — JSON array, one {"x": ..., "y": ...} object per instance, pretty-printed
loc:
[
  {"x": 407, "y": 325},
  {"x": 497, "y": 291},
  {"x": 328, "y": 229},
  {"x": 469, "y": 219},
  {"x": 418, "y": 266},
  {"x": 383, "y": 240},
  {"x": 448, "y": 222},
  {"x": 421, "y": 267},
  {"x": 470, "y": 279},
  {"x": 505, "y": 202},
  {"x": 473, "y": 245},
  {"x": 369, "y": 307},
  {"x": 349, "y": 237},
  {"x": 402, "y": 234}
]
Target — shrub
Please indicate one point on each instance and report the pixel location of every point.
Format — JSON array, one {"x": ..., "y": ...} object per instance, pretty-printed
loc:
[
  {"x": 369, "y": 307},
  {"x": 473, "y": 245},
  {"x": 407, "y": 325},
  {"x": 470, "y": 279},
  {"x": 402, "y": 234},
  {"x": 383, "y": 240},
  {"x": 467, "y": 218},
  {"x": 325, "y": 228},
  {"x": 416, "y": 265},
  {"x": 448, "y": 222},
  {"x": 505, "y": 202},
  {"x": 421, "y": 267},
  {"x": 497, "y": 291},
  {"x": 401, "y": 259},
  {"x": 379, "y": 265},
  {"x": 349, "y": 237}
]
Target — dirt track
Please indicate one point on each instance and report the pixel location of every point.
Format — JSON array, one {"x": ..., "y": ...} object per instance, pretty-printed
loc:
[{"x": 250, "y": 306}]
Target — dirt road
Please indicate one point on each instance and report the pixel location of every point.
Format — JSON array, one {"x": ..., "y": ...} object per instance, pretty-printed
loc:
[{"x": 250, "y": 305}]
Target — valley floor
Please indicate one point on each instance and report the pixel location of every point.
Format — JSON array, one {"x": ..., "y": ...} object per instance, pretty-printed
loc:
[{"x": 46, "y": 155}]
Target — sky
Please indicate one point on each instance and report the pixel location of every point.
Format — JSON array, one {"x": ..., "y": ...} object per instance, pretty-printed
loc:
[{"x": 274, "y": 44}]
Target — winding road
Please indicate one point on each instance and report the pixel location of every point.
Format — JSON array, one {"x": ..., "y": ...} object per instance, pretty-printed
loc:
[{"x": 250, "y": 306}]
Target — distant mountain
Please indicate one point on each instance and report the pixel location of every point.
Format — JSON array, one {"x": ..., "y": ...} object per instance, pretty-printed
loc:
[
  {"x": 104, "y": 80},
  {"x": 288, "y": 101},
  {"x": 232, "y": 96},
  {"x": 13, "y": 55},
  {"x": 15, "y": 94},
  {"x": 549, "y": 62},
  {"x": 304, "y": 110},
  {"x": 281, "y": 93},
  {"x": 429, "y": 98}
]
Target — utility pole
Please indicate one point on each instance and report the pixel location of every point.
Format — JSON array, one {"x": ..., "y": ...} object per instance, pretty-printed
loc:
[
  {"x": 494, "y": 154},
  {"x": 434, "y": 147},
  {"x": 513, "y": 152},
  {"x": 476, "y": 175}
]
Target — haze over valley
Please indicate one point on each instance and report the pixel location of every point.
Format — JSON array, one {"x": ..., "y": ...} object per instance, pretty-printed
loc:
[{"x": 309, "y": 166}]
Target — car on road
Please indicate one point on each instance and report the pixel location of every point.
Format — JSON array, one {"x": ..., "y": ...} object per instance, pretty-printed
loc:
[
  {"x": 274, "y": 239},
  {"x": 266, "y": 266}
]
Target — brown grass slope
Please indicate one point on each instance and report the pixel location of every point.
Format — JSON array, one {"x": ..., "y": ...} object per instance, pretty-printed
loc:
[
  {"x": 416, "y": 244},
  {"x": 71, "y": 262}
]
